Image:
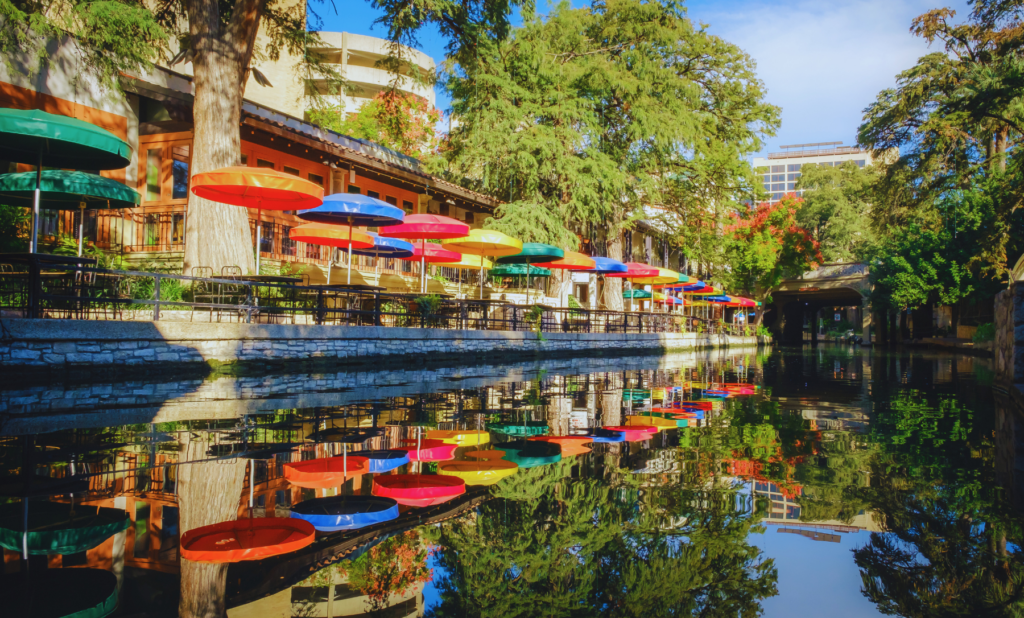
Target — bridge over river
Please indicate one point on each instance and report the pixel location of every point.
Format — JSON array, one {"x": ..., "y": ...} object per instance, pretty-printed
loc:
[{"x": 802, "y": 299}]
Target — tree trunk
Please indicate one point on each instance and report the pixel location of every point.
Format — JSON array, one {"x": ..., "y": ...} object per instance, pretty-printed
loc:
[
  {"x": 613, "y": 285},
  {"x": 208, "y": 493},
  {"x": 1001, "y": 149},
  {"x": 218, "y": 235}
]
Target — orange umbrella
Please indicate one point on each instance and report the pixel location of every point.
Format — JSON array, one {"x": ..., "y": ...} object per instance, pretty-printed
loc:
[
  {"x": 260, "y": 188},
  {"x": 331, "y": 236},
  {"x": 572, "y": 260}
]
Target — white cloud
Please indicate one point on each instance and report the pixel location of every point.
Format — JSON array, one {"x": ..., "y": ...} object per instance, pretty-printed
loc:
[{"x": 822, "y": 62}]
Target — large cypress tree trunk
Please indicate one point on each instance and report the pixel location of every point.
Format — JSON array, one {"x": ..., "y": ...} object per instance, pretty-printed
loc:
[
  {"x": 217, "y": 235},
  {"x": 613, "y": 285}
]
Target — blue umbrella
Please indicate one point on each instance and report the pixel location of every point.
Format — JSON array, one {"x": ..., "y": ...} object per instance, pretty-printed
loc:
[
  {"x": 353, "y": 209},
  {"x": 386, "y": 247},
  {"x": 604, "y": 266},
  {"x": 345, "y": 512},
  {"x": 384, "y": 461}
]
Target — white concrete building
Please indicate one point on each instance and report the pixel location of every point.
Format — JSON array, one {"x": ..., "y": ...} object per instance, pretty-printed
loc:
[
  {"x": 357, "y": 56},
  {"x": 780, "y": 170}
]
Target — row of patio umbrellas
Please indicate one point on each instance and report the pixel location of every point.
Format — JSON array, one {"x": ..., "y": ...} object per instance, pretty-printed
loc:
[{"x": 48, "y": 140}]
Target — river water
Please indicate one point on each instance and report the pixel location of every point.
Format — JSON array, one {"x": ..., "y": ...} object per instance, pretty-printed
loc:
[{"x": 818, "y": 481}]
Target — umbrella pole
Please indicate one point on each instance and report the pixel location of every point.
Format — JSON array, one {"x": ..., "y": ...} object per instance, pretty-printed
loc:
[
  {"x": 32, "y": 242},
  {"x": 376, "y": 266},
  {"x": 481, "y": 277},
  {"x": 259, "y": 233},
  {"x": 330, "y": 266},
  {"x": 423, "y": 265},
  {"x": 349, "y": 251},
  {"x": 81, "y": 226}
]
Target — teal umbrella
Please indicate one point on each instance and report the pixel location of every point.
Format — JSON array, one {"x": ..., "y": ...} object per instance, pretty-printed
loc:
[
  {"x": 532, "y": 253},
  {"x": 636, "y": 294},
  {"x": 519, "y": 270},
  {"x": 56, "y": 528},
  {"x": 62, "y": 190},
  {"x": 529, "y": 454},
  {"x": 528, "y": 428},
  {"x": 41, "y": 139}
]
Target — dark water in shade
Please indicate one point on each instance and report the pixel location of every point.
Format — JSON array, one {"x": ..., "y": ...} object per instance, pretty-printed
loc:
[{"x": 841, "y": 483}]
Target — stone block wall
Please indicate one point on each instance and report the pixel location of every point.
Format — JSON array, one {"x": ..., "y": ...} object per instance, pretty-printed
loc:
[{"x": 48, "y": 344}]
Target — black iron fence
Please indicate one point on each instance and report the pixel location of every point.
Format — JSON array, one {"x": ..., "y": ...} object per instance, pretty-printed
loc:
[{"x": 45, "y": 286}]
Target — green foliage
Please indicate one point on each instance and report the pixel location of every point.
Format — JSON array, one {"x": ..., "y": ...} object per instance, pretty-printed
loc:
[
  {"x": 762, "y": 331},
  {"x": 836, "y": 207},
  {"x": 916, "y": 267},
  {"x": 985, "y": 332},
  {"x": 14, "y": 222},
  {"x": 400, "y": 121},
  {"x": 580, "y": 119}
]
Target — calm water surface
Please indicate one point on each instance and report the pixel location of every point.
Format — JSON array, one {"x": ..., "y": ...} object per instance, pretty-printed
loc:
[{"x": 830, "y": 481}]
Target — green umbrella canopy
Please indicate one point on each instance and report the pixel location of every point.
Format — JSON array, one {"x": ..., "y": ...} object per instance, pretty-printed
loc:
[
  {"x": 533, "y": 253},
  {"x": 56, "y": 528},
  {"x": 64, "y": 593},
  {"x": 61, "y": 140},
  {"x": 527, "y": 428},
  {"x": 528, "y": 454},
  {"x": 636, "y": 294},
  {"x": 519, "y": 270},
  {"x": 61, "y": 190}
]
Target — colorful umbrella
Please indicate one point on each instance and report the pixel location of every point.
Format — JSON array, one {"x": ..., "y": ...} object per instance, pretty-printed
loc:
[
  {"x": 606, "y": 266},
  {"x": 570, "y": 445},
  {"x": 64, "y": 190},
  {"x": 385, "y": 248},
  {"x": 634, "y": 271},
  {"x": 519, "y": 270},
  {"x": 345, "y": 512},
  {"x": 260, "y": 188},
  {"x": 327, "y": 472},
  {"x": 37, "y": 138},
  {"x": 384, "y": 461},
  {"x": 533, "y": 253},
  {"x": 485, "y": 243},
  {"x": 354, "y": 209},
  {"x": 424, "y": 227},
  {"x": 418, "y": 489},
  {"x": 490, "y": 468},
  {"x": 246, "y": 539},
  {"x": 461, "y": 437},
  {"x": 331, "y": 236},
  {"x": 71, "y": 593},
  {"x": 469, "y": 262},
  {"x": 572, "y": 260},
  {"x": 531, "y": 454},
  {"x": 429, "y": 450},
  {"x": 57, "y": 528}
]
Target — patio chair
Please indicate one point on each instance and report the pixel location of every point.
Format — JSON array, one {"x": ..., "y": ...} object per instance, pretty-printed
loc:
[
  {"x": 204, "y": 291},
  {"x": 231, "y": 294}
]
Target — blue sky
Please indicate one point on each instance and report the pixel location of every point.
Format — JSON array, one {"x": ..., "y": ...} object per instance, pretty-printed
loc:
[{"x": 822, "y": 62}]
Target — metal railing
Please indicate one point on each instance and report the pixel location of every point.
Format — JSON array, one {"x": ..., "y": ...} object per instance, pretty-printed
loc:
[{"x": 71, "y": 288}]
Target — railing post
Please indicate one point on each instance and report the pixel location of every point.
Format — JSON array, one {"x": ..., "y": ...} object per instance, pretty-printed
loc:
[
  {"x": 35, "y": 287},
  {"x": 156, "y": 297},
  {"x": 376, "y": 308},
  {"x": 319, "y": 319}
]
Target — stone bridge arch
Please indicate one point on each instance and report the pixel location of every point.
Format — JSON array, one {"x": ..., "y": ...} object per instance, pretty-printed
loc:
[{"x": 845, "y": 284}]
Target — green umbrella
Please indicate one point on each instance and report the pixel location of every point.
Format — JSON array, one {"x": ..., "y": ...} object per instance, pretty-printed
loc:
[
  {"x": 519, "y": 270},
  {"x": 62, "y": 190},
  {"x": 56, "y": 528},
  {"x": 532, "y": 253},
  {"x": 529, "y": 454},
  {"x": 64, "y": 593},
  {"x": 636, "y": 294},
  {"x": 528, "y": 428},
  {"x": 38, "y": 138}
]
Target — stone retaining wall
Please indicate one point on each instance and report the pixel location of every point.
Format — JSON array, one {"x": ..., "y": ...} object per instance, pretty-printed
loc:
[{"x": 47, "y": 344}]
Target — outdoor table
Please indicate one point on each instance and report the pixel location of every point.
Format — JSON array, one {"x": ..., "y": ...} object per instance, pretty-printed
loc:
[{"x": 266, "y": 278}]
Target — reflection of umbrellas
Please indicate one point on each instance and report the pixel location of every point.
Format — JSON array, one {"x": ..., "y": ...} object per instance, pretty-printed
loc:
[
  {"x": 485, "y": 243},
  {"x": 63, "y": 190},
  {"x": 429, "y": 450},
  {"x": 345, "y": 512},
  {"x": 354, "y": 209},
  {"x": 252, "y": 538},
  {"x": 384, "y": 461},
  {"x": 528, "y": 428},
  {"x": 601, "y": 434},
  {"x": 531, "y": 454},
  {"x": 571, "y": 445},
  {"x": 77, "y": 593},
  {"x": 533, "y": 253},
  {"x": 460, "y": 437},
  {"x": 424, "y": 227},
  {"x": 57, "y": 528},
  {"x": 260, "y": 188},
  {"x": 490, "y": 468},
  {"x": 323, "y": 473},
  {"x": 38, "y": 138},
  {"x": 418, "y": 489},
  {"x": 650, "y": 421},
  {"x": 634, "y": 433}
]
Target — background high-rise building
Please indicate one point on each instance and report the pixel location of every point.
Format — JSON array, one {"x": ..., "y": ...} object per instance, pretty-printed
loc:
[{"x": 780, "y": 170}]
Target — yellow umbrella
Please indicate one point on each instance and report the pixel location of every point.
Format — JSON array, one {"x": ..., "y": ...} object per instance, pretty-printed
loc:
[
  {"x": 485, "y": 243},
  {"x": 488, "y": 470},
  {"x": 469, "y": 262},
  {"x": 665, "y": 275}
]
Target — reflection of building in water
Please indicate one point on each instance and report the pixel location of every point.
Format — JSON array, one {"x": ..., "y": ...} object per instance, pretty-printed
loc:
[
  {"x": 784, "y": 509},
  {"x": 337, "y": 599}
]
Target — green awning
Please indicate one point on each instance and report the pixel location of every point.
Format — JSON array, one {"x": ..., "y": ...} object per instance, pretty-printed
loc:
[
  {"x": 533, "y": 253},
  {"x": 62, "y": 190},
  {"x": 58, "y": 528},
  {"x": 61, "y": 140},
  {"x": 519, "y": 270}
]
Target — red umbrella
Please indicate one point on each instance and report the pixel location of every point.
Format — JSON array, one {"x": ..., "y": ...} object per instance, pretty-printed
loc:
[
  {"x": 636, "y": 270},
  {"x": 433, "y": 253},
  {"x": 260, "y": 188},
  {"x": 424, "y": 227},
  {"x": 323, "y": 473},
  {"x": 429, "y": 450},
  {"x": 418, "y": 489},
  {"x": 246, "y": 539}
]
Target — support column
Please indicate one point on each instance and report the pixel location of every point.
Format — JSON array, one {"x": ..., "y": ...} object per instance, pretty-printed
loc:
[
  {"x": 867, "y": 322},
  {"x": 814, "y": 326}
]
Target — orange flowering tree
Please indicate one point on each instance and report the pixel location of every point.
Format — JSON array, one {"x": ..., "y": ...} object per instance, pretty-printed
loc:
[
  {"x": 765, "y": 245},
  {"x": 400, "y": 121}
]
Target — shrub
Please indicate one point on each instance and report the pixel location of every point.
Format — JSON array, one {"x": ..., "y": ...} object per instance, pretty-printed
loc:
[{"x": 985, "y": 332}]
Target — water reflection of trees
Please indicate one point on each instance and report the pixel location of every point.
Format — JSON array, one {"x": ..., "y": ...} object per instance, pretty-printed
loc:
[{"x": 552, "y": 545}]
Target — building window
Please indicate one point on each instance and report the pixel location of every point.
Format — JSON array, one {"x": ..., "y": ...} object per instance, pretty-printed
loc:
[
  {"x": 264, "y": 163},
  {"x": 778, "y": 178},
  {"x": 316, "y": 179},
  {"x": 177, "y": 229},
  {"x": 767, "y": 187},
  {"x": 793, "y": 167},
  {"x": 391, "y": 200},
  {"x": 354, "y": 189},
  {"x": 791, "y": 186},
  {"x": 776, "y": 196},
  {"x": 407, "y": 206},
  {"x": 287, "y": 244},
  {"x": 154, "y": 158},
  {"x": 179, "y": 171},
  {"x": 860, "y": 162},
  {"x": 291, "y": 170},
  {"x": 245, "y": 160},
  {"x": 779, "y": 186},
  {"x": 151, "y": 231},
  {"x": 373, "y": 194},
  {"x": 792, "y": 176},
  {"x": 778, "y": 168}
]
